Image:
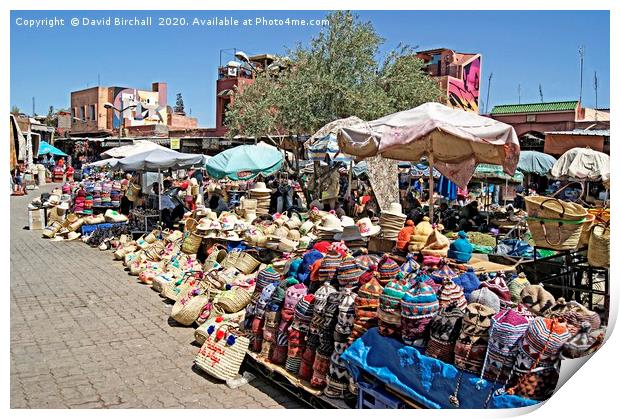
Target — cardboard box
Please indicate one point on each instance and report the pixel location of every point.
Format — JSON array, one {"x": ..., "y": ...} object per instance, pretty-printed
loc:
[{"x": 36, "y": 219}]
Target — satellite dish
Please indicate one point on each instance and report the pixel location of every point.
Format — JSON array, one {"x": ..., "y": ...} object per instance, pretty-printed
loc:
[
  {"x": 233, "y": 64},
  {"x": 240, "y": 55}
]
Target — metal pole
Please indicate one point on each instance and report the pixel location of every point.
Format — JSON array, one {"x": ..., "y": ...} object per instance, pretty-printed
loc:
[
  {"x": 160, "y": 186},
  {"x": 430, "y": 186}
]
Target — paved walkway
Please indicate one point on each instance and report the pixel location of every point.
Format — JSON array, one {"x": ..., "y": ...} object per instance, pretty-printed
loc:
[{"x": 84, "y": 334}]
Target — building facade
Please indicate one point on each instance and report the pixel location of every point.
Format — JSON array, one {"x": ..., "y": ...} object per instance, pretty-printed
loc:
[
  {"x": 140, "y": 108},
  {"x": 555, "y": 122},
  {"x": 458, "y": 75}
]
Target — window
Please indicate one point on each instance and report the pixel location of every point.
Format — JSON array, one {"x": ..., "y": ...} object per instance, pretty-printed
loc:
[
  {"x": 92, "y": 114},
  {"x": 81, "y": 113},
  {"x": 530, "y": 118},
  {"x": 72, "y": 114}
]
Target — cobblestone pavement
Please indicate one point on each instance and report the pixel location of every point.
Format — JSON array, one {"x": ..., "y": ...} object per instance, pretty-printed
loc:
[{"x": 84, "y": 334}]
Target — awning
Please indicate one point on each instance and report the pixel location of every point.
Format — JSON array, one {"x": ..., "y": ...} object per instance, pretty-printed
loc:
[{"x": 226, "y": 92}]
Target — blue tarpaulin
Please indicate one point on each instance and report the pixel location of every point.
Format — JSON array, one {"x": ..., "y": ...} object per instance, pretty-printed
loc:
[{"x": 425, "y": 380}]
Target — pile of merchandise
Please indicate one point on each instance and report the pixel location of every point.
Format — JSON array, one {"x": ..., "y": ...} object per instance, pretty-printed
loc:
[{"x": 271, "y": 287}]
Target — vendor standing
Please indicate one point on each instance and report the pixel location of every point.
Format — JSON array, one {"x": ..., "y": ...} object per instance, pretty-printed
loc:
[{"x": 170, "y": 211}]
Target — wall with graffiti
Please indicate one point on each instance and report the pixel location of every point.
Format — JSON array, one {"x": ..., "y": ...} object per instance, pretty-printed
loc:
[
  {"x": 464, "y": 93},
  {"x": 150, "y": 107}
]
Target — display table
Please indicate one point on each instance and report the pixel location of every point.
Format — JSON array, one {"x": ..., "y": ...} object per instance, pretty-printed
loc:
[{"x": 423, "y": 379}]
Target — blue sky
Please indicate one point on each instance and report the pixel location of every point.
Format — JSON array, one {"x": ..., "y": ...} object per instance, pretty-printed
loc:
[{"x": 526, "y": 47}]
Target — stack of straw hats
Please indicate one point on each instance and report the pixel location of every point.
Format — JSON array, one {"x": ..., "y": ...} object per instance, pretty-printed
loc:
[
  {"x": 262, "y": 195},
  {"x": 330, "y": 225},
  {"x": 392, "y": 221}
]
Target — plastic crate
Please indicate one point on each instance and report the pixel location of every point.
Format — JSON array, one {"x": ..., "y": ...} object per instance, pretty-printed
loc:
[
  {"x": 371, "y": 396},
  {"x": 89, "y": 228}
]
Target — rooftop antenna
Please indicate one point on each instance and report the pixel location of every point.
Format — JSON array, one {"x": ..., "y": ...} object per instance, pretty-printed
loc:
[
  {"x": 595, "y": 97},
  {"x": 519, "y": 90},
  {"x": 486, "y": 106},
  {"x": 98, "y": 79},
  {"x": 33, "y": 112},
  {"x": 582, "y": 53},
  {"x": 540, "y": 93}
]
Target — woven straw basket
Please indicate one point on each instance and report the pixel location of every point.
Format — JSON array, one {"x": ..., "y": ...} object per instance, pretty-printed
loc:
[
  {"x": 247, "y": 263},
  {"x": 188, "y": 307},
  {"x": 231, "y": 259},
  {"x": 234, "y": 300},
  {"x": 191, "y": 243},
  {"x": 554, "y": 223},
  {"x": 223, "y": 351},
  {"x": 173, "y": 289},
  {"x": 598, "y": 248}
]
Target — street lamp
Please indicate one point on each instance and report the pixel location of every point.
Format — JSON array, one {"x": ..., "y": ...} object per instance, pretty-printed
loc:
[{"x": 108, "y": 105}]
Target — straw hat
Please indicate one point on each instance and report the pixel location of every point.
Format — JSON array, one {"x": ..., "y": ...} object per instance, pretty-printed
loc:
[
  {"x": 231, "y": 236},
  {"x": 349, "y": 233},
  {"x": 330, "y": 223},
  {"x": 347, "y": 221},
  {"x": 293, "y": 235},
  {"x": 54, "y": 199},
  {"x": 367, "y": 228},
  {"x": 395, "y": 209},
  {"x": 228, "y": 222},
  {"x": 203, "y": 225},
  {"x": 193, "y": 181},
  {"x": 260, "y": 187},
  {"x": 63, "y": 206},
  {"x": 73, "y": 235}
]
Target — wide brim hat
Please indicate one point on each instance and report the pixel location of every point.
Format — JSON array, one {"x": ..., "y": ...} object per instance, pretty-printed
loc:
[
  {"x": 54, "y": 199},
  {"x": 260, "y": 187},
  {"x": 331, "y": 224},
  {"x": 204, "y": 224},
  {"x": 231, "y": 236},
  {"x": 72, "y": 235},
  {"x": 64, "y": 206},
  {"x": 294, "y": 235},
  {"x": 349, "y": 233},
  {"x": 395, "y": 209},
  {"x": 367, "y": 228}
]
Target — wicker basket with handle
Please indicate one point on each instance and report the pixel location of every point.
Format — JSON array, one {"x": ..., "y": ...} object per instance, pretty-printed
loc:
[
  {"x": 598, "y": 248},
  {"x": 189, "y": 306},
  {"x": 223, "y": 350},
  {"x": 554, "y": 223}
]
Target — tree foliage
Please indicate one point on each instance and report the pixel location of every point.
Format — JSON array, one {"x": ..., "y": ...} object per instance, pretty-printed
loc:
[{"x": 339, "y": 74}]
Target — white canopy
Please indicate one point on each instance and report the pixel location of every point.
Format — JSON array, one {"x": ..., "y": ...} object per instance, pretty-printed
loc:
[
  {"x": 138, "y": 146},
  {"x": 582, "y": 164},
  {"x": 160, "y": 159},
  {"x": 102, "y": 163}
]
